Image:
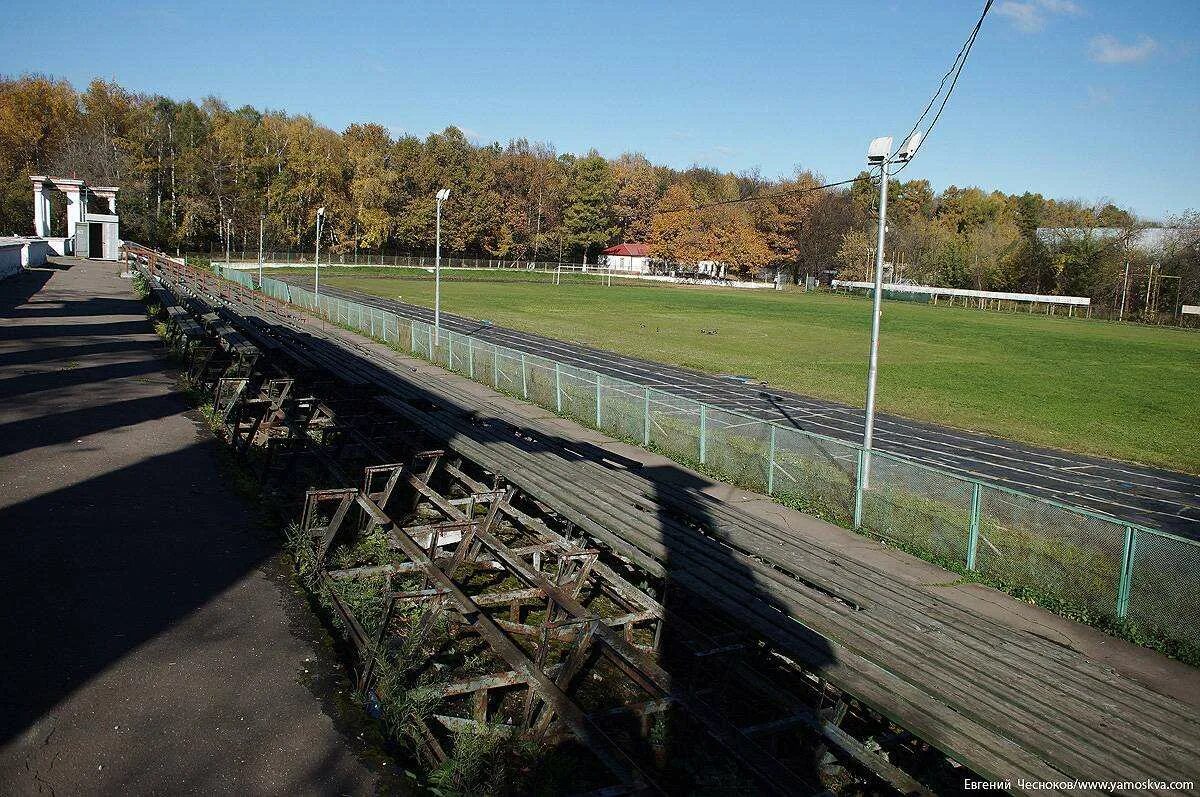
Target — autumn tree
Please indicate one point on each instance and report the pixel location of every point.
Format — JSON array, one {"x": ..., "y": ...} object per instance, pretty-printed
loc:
[
  {"x": 637, "y": 192},
  {"x": 185, "y": 167},
  {"x": 36, "y": 116},
  {"x": 374, "y": 186},
  {"x": 676, "y": 234}
]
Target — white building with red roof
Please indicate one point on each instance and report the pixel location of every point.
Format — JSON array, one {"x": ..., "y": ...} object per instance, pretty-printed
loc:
[{"x": 634, "y": 258}]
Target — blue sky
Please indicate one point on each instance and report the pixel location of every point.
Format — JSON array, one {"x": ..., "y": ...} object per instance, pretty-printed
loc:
[{"x": 1088, "y": 99}]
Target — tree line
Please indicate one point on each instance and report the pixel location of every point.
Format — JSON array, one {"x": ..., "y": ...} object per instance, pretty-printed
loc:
[{"x": 192, "y": 174}]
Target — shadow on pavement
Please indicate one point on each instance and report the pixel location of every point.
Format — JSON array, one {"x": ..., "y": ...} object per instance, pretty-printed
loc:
[
  {"x": 95, "y": 569},
  {"x": 18, "y": 387},
  {"x": 17, "y": 290},
  {"x": 43, "y": 354},
  {"x": 114, "y": 329},
  {"x": 62, "y": 427},
  {"x": 92, "y": 306}
]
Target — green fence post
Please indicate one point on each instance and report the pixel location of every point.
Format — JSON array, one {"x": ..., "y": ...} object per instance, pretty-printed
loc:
[
  {"x": 598, "y": 401},
  {"x": 429, "y": 339},
  {"x": 1126, "y": 571},
  {"x": 858, "y": 492},
  {"x": 703, "y": 433},
  {"x": 557, "y": 388},
  {"x": 450, "y": 348},
  {"x": 470, "y": 357},
  {"x": 646, "y": 420},
  {"x": 524, "y": 381},
  {"x": 495, "y": 366},
  {"x": 412, "y": 337},
  {"x": 973, "y": 541},
  {"x": 771, "y": 465}
]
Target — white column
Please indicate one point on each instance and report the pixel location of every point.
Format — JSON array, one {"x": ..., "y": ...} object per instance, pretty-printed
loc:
[
  {"x": 41, "y": 211},
  {"x": 74, "y": 210},
  {"x": 80, "y": 209}
]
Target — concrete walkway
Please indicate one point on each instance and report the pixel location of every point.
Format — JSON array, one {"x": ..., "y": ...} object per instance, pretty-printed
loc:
[{"x": 151, "y": 642}]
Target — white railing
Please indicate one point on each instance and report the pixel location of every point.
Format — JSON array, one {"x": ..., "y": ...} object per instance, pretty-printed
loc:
[{"x": 932, "y": 290}]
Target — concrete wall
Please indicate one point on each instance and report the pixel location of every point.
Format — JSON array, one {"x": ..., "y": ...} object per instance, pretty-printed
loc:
[
  {"x": 10, "y": 258},
  {"x": 35, "y": 252},
  {"x": 60, "y": 246},
  {"x": 25, "y": 252}
]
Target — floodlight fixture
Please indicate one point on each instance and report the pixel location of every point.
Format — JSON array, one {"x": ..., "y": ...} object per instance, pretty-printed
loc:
[
  {"x": 910, "y": 147},
  {"x": 443, "y": 195},
  {"x": 321, "y": 210},
  {"x": 880, "y": 149}
]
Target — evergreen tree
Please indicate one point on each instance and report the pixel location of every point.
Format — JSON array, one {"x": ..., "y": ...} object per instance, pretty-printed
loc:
[{"x": 588, "y": 217}]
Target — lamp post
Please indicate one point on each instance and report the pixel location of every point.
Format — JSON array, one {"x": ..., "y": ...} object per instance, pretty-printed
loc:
[
  {"x": 262, "y": 220},
  {"x": 228, "y": 235},
  {"x": 879, "y": 153},
  {"x": 1124, "y": 290},
  {"x": 442, "y": 196},
  {"x": 317, "y": 255}
]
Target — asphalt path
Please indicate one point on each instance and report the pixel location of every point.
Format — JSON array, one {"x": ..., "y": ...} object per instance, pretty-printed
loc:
[
  {"x": 153, "y": 642},
  {"x": 1153, "y": 497}
]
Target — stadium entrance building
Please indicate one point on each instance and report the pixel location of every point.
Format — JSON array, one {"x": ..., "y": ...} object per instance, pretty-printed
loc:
[{"x": 95, "y": 235}]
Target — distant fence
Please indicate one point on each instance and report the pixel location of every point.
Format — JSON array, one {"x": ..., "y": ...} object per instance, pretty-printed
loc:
[
  {"x": 548, "y": 271},
  {"x": 290, "y": 258},
  {"x": 1081, "y": 563}
]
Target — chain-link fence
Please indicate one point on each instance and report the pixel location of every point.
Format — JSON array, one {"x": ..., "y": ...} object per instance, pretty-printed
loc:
[{"x": 1076, "y": 561}]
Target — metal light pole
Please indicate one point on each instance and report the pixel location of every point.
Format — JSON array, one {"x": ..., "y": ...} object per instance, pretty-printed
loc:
[
  {"x": 317, "y": 255},
  {"x": 228, "y": 235},
  {"x": 442, "y": 195},
  {"x": 262, "y": 220},
  {"x": 1124, "y": 291},
  {"x": 537, "y": 234},
  {"x": 1149, "y": 290},
  {"x": 879, "y": 154}
]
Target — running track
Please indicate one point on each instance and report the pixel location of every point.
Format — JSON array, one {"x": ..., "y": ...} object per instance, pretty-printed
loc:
[{"x": 1152, "y": 497}]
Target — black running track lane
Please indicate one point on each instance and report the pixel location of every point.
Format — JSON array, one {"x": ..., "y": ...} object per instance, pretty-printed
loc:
[{"x": 1160, "y": 499}]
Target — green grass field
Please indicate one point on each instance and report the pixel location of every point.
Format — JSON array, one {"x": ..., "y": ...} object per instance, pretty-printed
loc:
[{"x": 1095, "y": 387}]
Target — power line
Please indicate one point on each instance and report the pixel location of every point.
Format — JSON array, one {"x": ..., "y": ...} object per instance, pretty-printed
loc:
[
  {"x": 960, "y": 61},
  {"x": 763, "y": 197},
  {"x": 955, "y": 69}
]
